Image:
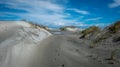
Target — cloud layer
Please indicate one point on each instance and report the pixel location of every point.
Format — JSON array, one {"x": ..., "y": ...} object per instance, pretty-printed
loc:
[
  {"x": 78, "y": 11},
  {"x": 50, "y": 12},
  {"x": 116, "y": 3},
  {"x": 94, "y": 19}
]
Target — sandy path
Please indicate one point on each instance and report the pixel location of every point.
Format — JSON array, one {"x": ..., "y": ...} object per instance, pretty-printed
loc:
[{"x": 57, "y": 51}]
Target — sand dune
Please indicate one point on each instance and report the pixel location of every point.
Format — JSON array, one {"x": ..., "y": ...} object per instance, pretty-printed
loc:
[
  {"x": 24, "y": 46},
  {"x": 17, "y": 42}
]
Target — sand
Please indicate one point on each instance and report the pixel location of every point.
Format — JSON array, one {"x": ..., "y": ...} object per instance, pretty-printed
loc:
[{"x": 20, "y": 48}]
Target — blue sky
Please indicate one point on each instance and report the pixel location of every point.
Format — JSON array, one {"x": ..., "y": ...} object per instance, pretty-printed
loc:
[{"x": 57, "y": 13}]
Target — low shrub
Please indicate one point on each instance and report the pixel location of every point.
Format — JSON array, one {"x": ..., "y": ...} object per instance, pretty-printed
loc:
[
  {"x": 115, "y": 27},
  {"x": 89, "y": 30},
  {"x": 62, "y": 29}
]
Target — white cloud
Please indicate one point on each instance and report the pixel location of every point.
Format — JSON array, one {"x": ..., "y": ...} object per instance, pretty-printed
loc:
[
  {"x": 38, "y": 10},
  {"x": 78, "y": 11},
  {"x": 45, "y": 12},
  {"x": 36, "y": 5},
  {"x": 116, "y": 3},
  {"x": 94, "y": 19},
  {"x": 93, "y": 24}
]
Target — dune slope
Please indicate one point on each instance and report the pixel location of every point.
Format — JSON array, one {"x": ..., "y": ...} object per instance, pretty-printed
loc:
[{"x": 18, "y": 40}]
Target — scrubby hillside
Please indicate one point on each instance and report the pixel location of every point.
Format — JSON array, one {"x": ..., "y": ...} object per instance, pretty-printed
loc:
[
  {"x": 110, "y": 34},
  {"x": 104, "y": 45}
]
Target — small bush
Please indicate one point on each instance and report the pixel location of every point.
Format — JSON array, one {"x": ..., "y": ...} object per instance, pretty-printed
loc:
[
  {"x": 115, "y": 27},
  {"x": 89, "y": 30},
  {"x": 62, "y": 29}
]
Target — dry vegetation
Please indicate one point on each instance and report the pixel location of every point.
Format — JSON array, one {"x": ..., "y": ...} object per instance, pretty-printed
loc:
[
  {"x": 89, "y": 30},
  {"x": 36, "y": 25},
  {"x": 111, "y": 30},
  {"x": 115, "y": 27}
]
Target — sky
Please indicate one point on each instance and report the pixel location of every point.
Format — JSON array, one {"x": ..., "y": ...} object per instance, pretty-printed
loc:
[{"x": 58, "y": 13}]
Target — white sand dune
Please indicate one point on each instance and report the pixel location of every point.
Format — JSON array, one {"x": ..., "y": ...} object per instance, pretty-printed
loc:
[
  {"x": 17, "y": 42},
  {"x": 24, "y": 46},
  {"x": 72, "y": 29}
]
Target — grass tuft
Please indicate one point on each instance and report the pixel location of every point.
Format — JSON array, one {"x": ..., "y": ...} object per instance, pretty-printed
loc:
[
  {"x": 115, "y": 27},
  {"x": 89, "y": 30}
]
